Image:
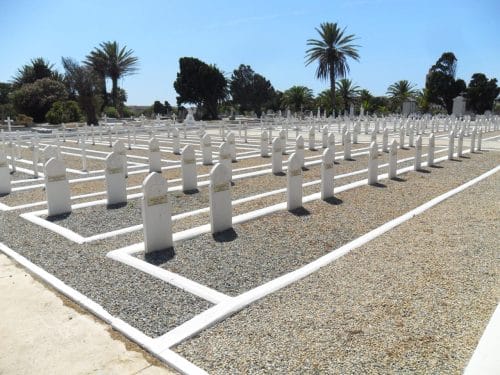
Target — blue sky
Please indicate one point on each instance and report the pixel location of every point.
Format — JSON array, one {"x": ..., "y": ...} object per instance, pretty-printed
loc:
[{"x": 399, "y": 39}]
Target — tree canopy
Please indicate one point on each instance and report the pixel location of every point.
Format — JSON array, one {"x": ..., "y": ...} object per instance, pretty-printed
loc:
[
  {"x": 109, "y": 60},
  {"x": 331, "y": 52},
  {"x": 481, "y": 93},
  {"x": 35, "y": 99},
  {"x": 38, "y": 68},
  {"x": 201, "y": 84},
  {"x": 249, "y": 90},
  {"x": 400, "y": 92},
  {"x": 298, "y": 98},
  {"x": 441, "y": 87}
]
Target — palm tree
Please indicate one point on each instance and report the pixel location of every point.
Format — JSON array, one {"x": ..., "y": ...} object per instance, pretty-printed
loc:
[
  {"x": 347, "y": 91},
  {"x": 297, "y": 97},
  {"x": 400, "y": 91},
  {"x": 115, "y": 62},
  {"x": 331, "y": 52},
  {"x": 38, "y": 68}
]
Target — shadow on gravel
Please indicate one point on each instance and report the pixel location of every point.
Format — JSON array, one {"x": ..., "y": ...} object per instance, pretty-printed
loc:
[
  {"x": 301, "y": 211},
  {"x": 305, "y": 169},
  {"x": 436, "y": 166},
  {"x": 421, "y": 170},
  {"x": 334, "y": 201},
  {"x": 58, "y": 217},
  {"x": 464, "y": 157},
  {"x": 116, "y": 206},
  {"x": 398, "y": 179},
  {"x": 160, "y": 257},
  {"x": 3, "y": 195},
  {"x": 350, "y": 159},
  {"x": 225, "y": 236},
  {"x": 191, "y": 192},
  {"x": 280, "y": 174},
  {"x": 379, "y": 185},
  {"x": 457, "y": 160}
]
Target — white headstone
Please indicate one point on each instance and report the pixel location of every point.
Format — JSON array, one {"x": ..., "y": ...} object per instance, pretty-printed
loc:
[
  {"x": 206, "y": 149},
  {"x": 232, "y": 145},
  {"x": 401, "y": 137},
  {"x": 154, "y": 155},
  {"x": 473, "y": 141},
  {"x": 460, "y": 143},
  {"x": 385, "y": 140},
  {"x": 411, "y": 136},
  {"x": 225, "y": 157},
  {"x": 430, "y": 151},
  {"x": 176, "y": 141},
  {"x": 116, "y": 187},
  {"x": 57, "y": 188},
  {"x": 347, "y": 145},
  {"x": 119, "y": 148},
  {"x": 331, "y": 142},
  {"x": 451, "y": 143},
  {"x": 418, "y": 154},
  {"x": 312, "y": 138},
  {"x": 393, "y": 159},
  {"x": 282, "y": 137},
  {"x": 277, "y": 161},
  {"x": 221, "y": 211},
  {"x": 188, "y": 165},
  {"x": 156, "y": 214},
  {"x": 299, "y": 149},
  {"x": 5, "y": 184},
  {"x": 327, "y": 173},
  {"x": 264, "y": 144},
  {"x": 294, "y": 183},
  {"x": 479, "y": 139},
  {"x": 324, "y": 137},
  {"x": 373, "y": 164}
]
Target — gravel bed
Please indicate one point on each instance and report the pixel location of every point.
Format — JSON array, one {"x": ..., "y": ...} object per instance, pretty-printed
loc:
[
  {"x": 17, "y": 175},
  {"x": 415, "y": 300},
  {"x": 146, "y": 303},
  {"x": 237, "y": 270}
]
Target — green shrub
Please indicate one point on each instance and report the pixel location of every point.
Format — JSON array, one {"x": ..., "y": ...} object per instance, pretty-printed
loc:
[
  {"x": 60, "y": 112},
  {"x": 111, "y": 112}
]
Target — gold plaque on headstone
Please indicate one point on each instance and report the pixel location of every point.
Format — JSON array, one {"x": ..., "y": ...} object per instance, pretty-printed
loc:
[
  {"x": 221, "y": 187},
  {"x": 115, "y": 170},
  {"x": 61, "y": 177},
  {"x": 295, "y": 172},
  {"x": 328, "y": 165},
  {"x": 189, "y": 161},
  {"x": 154, "y": 201}
]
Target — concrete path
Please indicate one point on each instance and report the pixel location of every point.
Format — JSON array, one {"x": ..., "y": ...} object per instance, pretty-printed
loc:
[{"x": 42, "y": 332}]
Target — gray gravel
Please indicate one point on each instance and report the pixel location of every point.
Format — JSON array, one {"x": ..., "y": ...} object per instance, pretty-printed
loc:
[
  {"x": 415, "y": 300},
  {"x": 280, "y": 243},
  {"x": 146, "y": 303}
]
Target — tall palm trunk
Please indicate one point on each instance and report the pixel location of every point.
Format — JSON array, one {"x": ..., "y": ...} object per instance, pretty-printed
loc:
[
  {"x": 114, "y": 92},
  {"x": 332, "y": 88}
]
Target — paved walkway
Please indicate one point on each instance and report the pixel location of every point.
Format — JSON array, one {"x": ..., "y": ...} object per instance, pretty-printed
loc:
[{"x": 42, "y": 332}]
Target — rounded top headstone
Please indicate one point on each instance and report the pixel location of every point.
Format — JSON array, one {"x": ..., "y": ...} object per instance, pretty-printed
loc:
[
  {"x": 224, "y": 149},
  {"x": 294, "y": 165},
  {"x": 373, "y": 150},
  {"x": 119, "y": 146},
  {"x": 300, "y": 140},
  {"x": 328, "y": 156},
  {"x": 264, "y": 135},
  {"x": 188, "y": 154},
  {"x": 113, "y": 161},
  {"x": 276, "y": 145},
  {"x": 220, "y": 175},
  {"x": 154, "y": 185},
  {"x": 54, "y": 167},
  {"x": 154, "y": 145}
]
